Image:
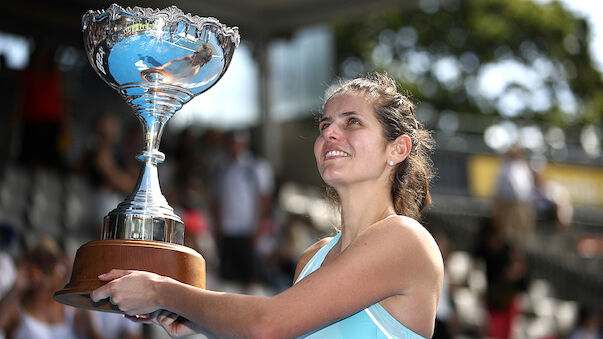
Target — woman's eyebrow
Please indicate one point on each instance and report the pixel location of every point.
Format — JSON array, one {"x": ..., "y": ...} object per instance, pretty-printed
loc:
[
  {"x": 324, "y": 118},
  {"x": 344, "y": 114},
  {"x": 347, "y": 114}
]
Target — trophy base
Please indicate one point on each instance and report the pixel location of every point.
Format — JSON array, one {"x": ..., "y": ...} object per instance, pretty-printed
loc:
[{"x": 100, "y": 256}]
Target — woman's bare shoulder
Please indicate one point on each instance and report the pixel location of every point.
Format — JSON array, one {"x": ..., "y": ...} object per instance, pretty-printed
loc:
[
  {"x": 407, "y": 227},
  {"x": 308, "y": 254},
  {"x": 408, "y": 237}
]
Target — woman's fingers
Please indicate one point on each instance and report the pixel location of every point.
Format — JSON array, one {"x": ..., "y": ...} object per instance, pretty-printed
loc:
[
  {"x": 101, "y": 293},
  {"x": 113, "y": 274},
  {"x": 131, "y": 291},
  {"x": 166, "y": 317},
  {"x": 105, "y": 290}
]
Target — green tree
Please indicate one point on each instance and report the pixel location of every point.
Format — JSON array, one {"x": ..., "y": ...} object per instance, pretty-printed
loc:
[{"x": 442, "y": 50}]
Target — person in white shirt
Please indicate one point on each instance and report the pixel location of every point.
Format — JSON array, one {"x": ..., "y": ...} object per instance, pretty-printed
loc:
[{"x": 242, "y": 192}]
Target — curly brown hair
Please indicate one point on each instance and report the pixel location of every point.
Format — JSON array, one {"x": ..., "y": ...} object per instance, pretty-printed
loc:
[{"x": 396, "y": 114}]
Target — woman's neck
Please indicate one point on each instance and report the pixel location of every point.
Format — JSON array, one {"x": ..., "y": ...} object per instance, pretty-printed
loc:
[{"x": 361, "y": 207}]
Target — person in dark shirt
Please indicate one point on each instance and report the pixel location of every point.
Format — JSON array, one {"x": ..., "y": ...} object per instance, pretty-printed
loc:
[{"x": 505, "y": 277}]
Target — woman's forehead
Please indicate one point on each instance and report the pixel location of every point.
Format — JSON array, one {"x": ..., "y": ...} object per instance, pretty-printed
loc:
[{"x": 348, "y": 102}]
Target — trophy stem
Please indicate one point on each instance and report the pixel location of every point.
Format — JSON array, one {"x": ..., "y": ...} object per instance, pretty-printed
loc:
[
  {"x": 145, "y": 214},
  {"x": 153, "y": 124}
]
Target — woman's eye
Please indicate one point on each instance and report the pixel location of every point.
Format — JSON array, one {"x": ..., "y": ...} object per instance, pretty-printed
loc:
[
  {"x": 353, "y": 121},
  {"x": 323, "y": 126}
]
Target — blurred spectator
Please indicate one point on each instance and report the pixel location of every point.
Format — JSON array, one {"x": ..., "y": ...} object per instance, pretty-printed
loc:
[
  {"x": 213, "y": 152},
  {"x": 7, "y": 265},
  {"x": 107, "y": 169},
  {"x": 294, "y": 237},
  {"x": 242, "y": 191},
  {"x": 588, "y": 325},
  {"x": 41, "y": 110},
  {"x": 186, "y": 158},
  {"x": 186, "y": 192},
  {"x": 513, "y": 209},
  {"x": 28, "y": 309},
  {"x": 445, "y": 323},
  {"x": 197, "y": 234},
  {"x": 8, "y": 81},
  {"x": 552, "y": 201},
  {"x": 270, "y": 266},
  {"x": 112, "y": 325},
  {"x": 506, "y": 276},
  {"x": 8, "y": 270}
]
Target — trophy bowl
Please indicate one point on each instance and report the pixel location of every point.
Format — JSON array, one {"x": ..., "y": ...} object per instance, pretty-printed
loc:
[{"x": 158, "y": 60}]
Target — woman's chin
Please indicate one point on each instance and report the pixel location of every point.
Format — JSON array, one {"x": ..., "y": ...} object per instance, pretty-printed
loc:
[{"x": 332, "y": 179}]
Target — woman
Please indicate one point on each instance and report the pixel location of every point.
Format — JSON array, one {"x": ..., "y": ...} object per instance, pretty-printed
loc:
[{"x": 380, "y": 277}]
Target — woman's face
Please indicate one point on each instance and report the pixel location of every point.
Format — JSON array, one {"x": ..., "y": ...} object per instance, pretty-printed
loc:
[{"x": 351, "y": 146}]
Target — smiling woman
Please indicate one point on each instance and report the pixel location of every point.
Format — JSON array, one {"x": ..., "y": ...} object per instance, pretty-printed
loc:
[
  {"x": 379, "y": 277},
  {"x": 393, "y": 115}
]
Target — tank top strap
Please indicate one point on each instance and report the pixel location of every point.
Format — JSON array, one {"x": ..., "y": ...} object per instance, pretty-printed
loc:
[
  {"x": 320, "y": 255},
  {"x": 318, "y": 258}
]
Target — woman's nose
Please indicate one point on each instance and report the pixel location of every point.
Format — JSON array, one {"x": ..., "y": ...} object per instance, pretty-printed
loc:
[{"x": 331, "y": 132}]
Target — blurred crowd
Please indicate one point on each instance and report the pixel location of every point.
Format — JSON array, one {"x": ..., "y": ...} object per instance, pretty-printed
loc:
[
  {"x": 52, "y": 202},
  {"x": 224, "y": 193},
  {"x": 489, "y": 290},
  {"x": 227, "y": 196}
]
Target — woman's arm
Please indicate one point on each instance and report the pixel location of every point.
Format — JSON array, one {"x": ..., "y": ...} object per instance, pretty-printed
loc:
[{"x": 390, "y": 258}]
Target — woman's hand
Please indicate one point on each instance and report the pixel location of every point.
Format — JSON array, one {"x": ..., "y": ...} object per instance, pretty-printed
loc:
[
  {"x": 133, "y": 292},
  {"x": 175, "y": 325}
]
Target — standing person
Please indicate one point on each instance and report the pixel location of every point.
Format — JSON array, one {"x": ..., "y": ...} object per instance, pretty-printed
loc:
[
  {"x": 446, "y": 320},
  {"x": 506, "y": 278},
  {"x": 41, "y": 109},
  {"x": 513, "y": 210},
  {"x": 107, "y": 168},
  {"x": 243, "y": 186},
  {"x": 380, "y": 276}
]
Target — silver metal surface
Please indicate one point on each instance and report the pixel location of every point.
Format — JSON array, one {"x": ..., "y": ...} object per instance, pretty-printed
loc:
[{"x": 158, "y": 60}]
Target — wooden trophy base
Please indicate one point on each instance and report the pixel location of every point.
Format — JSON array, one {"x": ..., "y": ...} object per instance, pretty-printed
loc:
[{"x": 100, "y": 256}]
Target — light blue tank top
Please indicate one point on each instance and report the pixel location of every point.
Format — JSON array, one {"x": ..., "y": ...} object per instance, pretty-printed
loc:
[{"x": 370, "y": 323}]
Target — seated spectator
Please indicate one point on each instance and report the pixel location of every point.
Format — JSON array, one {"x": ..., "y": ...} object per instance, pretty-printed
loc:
[
  {"x": 588, "y": 326},
  {"x": 28, "y": 309},
  {"x": 552, "y": 202}
]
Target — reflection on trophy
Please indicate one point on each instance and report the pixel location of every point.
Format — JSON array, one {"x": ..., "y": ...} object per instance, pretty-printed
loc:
[
  {"x": 180, "y": 68},
  {"x": 158, "y": 60}
]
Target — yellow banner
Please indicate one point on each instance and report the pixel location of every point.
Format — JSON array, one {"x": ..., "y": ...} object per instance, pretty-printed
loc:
[{"x": 584, "y": 183}]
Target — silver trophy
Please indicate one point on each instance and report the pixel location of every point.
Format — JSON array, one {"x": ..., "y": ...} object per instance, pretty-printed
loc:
[{"x": 158, "y": 60}]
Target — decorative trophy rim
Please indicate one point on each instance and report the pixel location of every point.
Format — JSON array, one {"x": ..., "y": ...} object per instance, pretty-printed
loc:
[{"x": 172, "y": 14}]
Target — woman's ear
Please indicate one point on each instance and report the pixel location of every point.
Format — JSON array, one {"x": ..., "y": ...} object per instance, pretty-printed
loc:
[{"x": 400, "y": 149}]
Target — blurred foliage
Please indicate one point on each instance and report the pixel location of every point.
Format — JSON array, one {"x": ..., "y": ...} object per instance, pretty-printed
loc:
[{"x": 472, "y": 35}]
